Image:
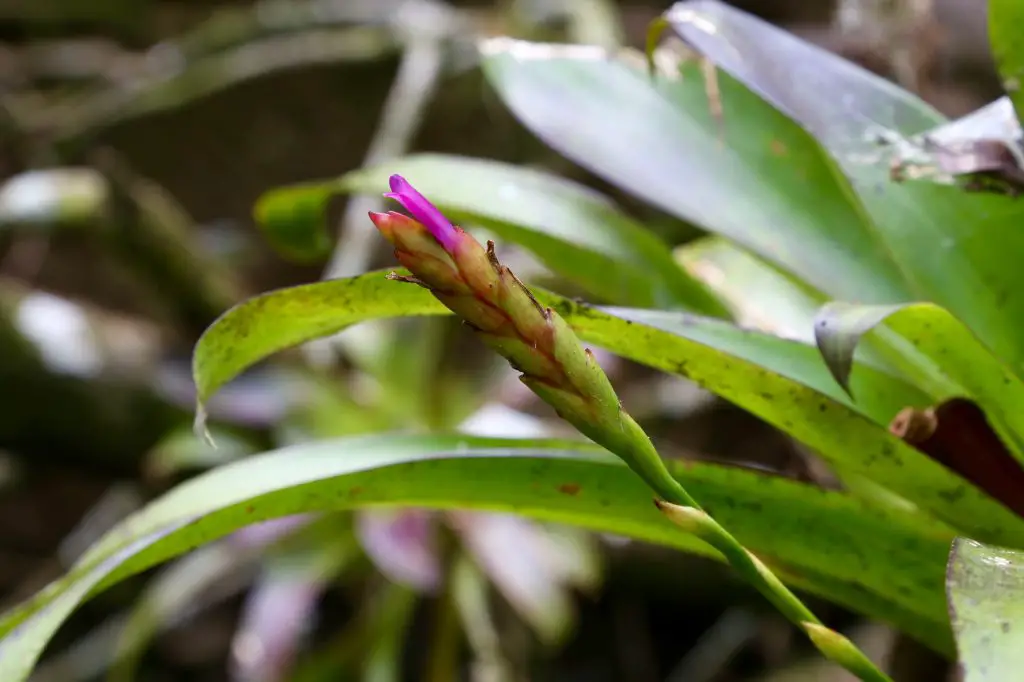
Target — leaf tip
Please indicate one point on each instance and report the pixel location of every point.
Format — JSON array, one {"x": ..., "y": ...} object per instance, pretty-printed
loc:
[
  {"x": 690, "y": 519},
  {"x": 199, "y": 427},
  {"x": 836, "y": 352},
  {"x": 654, "y": 32}
]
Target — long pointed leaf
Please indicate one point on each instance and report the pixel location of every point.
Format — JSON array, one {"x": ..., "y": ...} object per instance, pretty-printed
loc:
[
  {"x": 823, "y": 419},
  {"x": 842, "y": 104},
  {"x": 659, "y": 140},
  {"x": 889, "y": 554}
]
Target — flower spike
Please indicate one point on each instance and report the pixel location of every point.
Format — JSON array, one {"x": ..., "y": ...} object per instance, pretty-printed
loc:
[{"x": 497, "y": 306}]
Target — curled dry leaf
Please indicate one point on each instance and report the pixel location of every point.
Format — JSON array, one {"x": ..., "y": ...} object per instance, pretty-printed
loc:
[
  {"x": 957, "y": 434},
  {"x": 983, "y": 148},
  {"x": 985, "y": 164}
]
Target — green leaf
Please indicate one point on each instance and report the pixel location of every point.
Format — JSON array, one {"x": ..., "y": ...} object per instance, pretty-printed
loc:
[
  {"x": 266, "y": 324},
  {"x": 822, "y": 417},
  {"x": 843, "y": 105},
  {"x": 958, "y": 250},
  {"x": 167, "y": 598},
  {"x": 292, "y": 220},
  {"x": 763, "y": 297},
  {"x": 855, "y": 597},
  {"x": 964, "y": 250},
  {"x": 758, "y": 294},
  {"x": 24, "y": 640},
  {"x": 898, "y": 557},
  {"x": 838, "y": 330},
  {"x": 1005, "y": 17},
  {"x": 757, "y": 177},
  {"x": 884, "y": 395},
  {"x": 574, "y": 231},
  {"x": 955, "y": 362},
  {"x": 985, "y": 585}
]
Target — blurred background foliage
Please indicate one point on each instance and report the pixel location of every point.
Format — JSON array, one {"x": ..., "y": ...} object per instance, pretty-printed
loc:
[{"x": 167, "y": 120}]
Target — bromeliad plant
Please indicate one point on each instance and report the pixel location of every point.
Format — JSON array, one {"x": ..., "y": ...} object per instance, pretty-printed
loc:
[{"x": 876, "y": 307}]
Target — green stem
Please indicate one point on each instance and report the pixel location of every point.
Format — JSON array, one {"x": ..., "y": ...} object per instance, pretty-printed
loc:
[
  {"x": 683, "y": 510},
  {"x": 752, "y": 569}
]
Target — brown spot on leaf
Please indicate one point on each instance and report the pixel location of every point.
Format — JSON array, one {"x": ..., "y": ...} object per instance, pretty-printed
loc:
[
  {"x": 958, "y": 435},
  {"x": 778, "y": 148},
  {"x": 355, "y": 491},
  {"x": 569, "y": 489}
]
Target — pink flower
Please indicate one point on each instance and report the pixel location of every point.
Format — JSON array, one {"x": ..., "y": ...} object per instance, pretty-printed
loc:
[{"x": 424, "y": 212}]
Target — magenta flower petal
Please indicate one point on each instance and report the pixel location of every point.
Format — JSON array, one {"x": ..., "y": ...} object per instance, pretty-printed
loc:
[{"x": 423, "y": 211}]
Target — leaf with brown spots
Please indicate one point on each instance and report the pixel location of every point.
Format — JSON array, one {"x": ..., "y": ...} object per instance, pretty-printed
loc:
[
  {"x": 894, "y": 561},
  {"x": 740, "y": 365}
]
